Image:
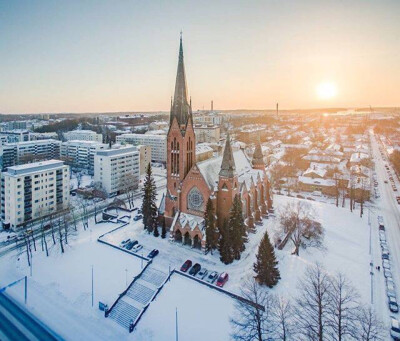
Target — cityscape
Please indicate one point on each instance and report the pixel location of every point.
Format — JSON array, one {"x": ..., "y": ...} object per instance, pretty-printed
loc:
[{"x": 217, "y": 171}]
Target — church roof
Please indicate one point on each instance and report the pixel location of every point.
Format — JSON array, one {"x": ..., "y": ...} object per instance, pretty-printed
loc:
[
  {"x": 210, "y": 168},
  {"x": 180, "y": 108},
  {"x": 228, "y": 168}
]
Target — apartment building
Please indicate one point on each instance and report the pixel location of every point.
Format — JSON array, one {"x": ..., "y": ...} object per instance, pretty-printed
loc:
[
  {"x": 213, "y": 119},
  {"x": 80, "y": 154},
  {"x": 114, "y": 168},
  {"x": 33, "y": 190},
  {"x": 12, "y": 154},
  {"x": 144, "y": 157},
  {"x": 11, "y": 136},
  {"x": 83, "y": 135},
  {"x": 158, "y": 144},
  {"x": 207, "y": 133}
]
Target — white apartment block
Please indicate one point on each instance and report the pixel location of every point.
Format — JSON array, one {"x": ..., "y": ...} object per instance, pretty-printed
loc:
[
  {"x": 113, "y": 166},
  {"x": 207, "y": 133},
  {"x": 80, "y": 154},
  {"x": 144, "y": 156},
  {"x": 213, "y": 119},
  {"x": 17, "y": 135},
  {"x": 158, "y": 144},
  {"x": 83, "y": 135},
  {"x": 34, "y": 190}
]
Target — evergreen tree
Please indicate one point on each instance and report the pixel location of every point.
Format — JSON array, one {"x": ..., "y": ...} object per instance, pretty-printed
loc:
[
  {"x": 266, "y": 264},
  {"x": 163, "y": 230},
  {"x": 225, "y": 250},
  {"x": 149, "y": 207},
  {"x": 237, "y": 228},
  {"x": 210, "y": 227}
]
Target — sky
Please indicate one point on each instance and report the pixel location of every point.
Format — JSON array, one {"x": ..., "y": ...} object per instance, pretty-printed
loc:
[{"x": 104, "y": 56}]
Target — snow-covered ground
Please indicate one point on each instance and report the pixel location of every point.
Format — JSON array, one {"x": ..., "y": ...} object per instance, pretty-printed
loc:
[
  {"x": 59, "y": 290},
  {"x": 203, "y": 313}
]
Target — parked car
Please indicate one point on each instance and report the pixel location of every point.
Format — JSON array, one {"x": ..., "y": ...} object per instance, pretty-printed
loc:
[
  {"x": 394, "y": 308},
  {"x": 212, "y": 277},
  {"x": 131, "y": 244},
  {"x": 385, "y": 181},
  {"x": 138, "y": 217},
  {"x": 385, "y": 254},
  {"x": 202, "y": 273},
  {"x": 387, "y": 273},
  {"x": 390, "y": 285},
  {"x": 137, "y": 248},
  {"x": 386, "y": 264},
  {"x": 384, "y": 245},
  {"x": 124, "y": 242},
  {"x": 382, "y": 236},
  {"x": 195, "y": 269},
  {"x": 185, "y": 266},
  {"x": 394, "y": 329},
  {"x": 222, "y": 279},
  {"x": 391, "y": 293},
  {"x": 153, "y": 253}
]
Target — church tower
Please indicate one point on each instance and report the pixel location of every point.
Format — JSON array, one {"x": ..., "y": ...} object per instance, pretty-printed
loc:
[
  {"x": 181, "y": 141},
  {"x": 228, "y": 183}
]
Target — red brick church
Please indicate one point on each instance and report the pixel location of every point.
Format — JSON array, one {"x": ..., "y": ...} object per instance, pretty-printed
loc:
[{"x": 191, "y": 184}]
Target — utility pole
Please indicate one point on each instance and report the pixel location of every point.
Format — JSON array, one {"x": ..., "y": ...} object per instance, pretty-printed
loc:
[
  {"x": 26, "y": 289},
  {"x": 92, "y": 286},
  {"x": 176, "y": 325}
]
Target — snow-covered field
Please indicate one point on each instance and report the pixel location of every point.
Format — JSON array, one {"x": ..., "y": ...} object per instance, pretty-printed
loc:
[
  {"x": 59, "y": 290},
  {"x": 203, "y": 313}
]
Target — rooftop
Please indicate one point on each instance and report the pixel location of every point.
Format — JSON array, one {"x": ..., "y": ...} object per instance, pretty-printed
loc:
[{"x": 34, "y": 167}]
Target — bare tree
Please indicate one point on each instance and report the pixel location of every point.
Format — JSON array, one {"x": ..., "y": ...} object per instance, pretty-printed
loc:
[
  {"x": 128, "y": 185},
  {"x": 312, "y": 307},
  {"x": 370, "y": 328},
  {"x": 343, "y": 309},
  {"x": 253, "y": 321},
  {"x": 283, "y": 316},
  {"x": 84, "y": 214},
  {"x": 298, "y": 221}
]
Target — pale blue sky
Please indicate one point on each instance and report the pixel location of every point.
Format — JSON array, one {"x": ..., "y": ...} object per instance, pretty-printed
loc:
[{"x": 87, "y": 56}]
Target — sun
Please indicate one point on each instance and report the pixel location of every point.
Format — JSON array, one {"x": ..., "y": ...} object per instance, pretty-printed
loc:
[{"x": 326, "y": 90}]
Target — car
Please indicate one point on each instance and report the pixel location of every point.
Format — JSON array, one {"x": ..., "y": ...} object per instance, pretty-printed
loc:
[
  {"x": 137, "y": 248},
  {"x": 222, "y": 279},
  {"x": 153, "y": 253},
  {"x": 202, "y": 273},
  {"x": 129, "y": 246},
  {"x": 138, "y": 217},
  {"x": 384, "y": 245},
  {"x": 124, "y": 242},
  {"x": 195, "y": 269},
  {"x": 385, "y": 181},
  {"x": 386, "y": 264},
  {"x": 185, "y": 266},
  {"x": 387, "y": 273},
  {"x": 212, "y": 277},
  {"x": 381, "y": 227},
  {"x": 394, "y": 308},
  {"x": 391, "y": 293},
  {"x": 389, "y": 281},
  {"x": 394, "y": 329},
  {"x": 385, "y": 255},
  {"x": 382, "y": 236}
]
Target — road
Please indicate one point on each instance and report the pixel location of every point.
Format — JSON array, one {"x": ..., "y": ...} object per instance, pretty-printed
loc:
[
  {"x": 16, "y": 324},
  {"x": 388, "y": 208}
]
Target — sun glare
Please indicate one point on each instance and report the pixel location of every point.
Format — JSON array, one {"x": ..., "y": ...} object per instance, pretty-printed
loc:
[{"x": 326, "y": 90}]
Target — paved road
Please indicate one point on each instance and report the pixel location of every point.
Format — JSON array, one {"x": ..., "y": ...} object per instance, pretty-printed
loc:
[
  {"x": 16, "y": 324},
  {"x": 388, "y": 208}
]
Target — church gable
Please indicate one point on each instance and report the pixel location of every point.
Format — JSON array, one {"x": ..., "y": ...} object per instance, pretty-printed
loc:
[{"x": 194, "y": 192}]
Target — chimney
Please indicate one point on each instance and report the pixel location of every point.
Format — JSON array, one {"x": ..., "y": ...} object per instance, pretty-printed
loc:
[{"x": 212, "y": 105}]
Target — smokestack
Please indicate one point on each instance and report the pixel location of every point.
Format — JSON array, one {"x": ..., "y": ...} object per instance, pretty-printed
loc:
[
  {"x": 212, "y": 105},
  {"x": 277, "y": 109}
]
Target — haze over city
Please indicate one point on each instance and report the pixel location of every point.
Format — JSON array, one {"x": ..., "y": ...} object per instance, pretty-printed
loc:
[{"x": 99, "y": 56}]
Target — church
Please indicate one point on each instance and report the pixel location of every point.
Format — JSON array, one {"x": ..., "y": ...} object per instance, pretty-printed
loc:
[{"x": 191, "y": 184}]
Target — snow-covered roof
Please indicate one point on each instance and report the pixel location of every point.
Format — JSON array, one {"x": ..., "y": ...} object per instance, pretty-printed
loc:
[
  {"x": 315, "y": 171},
  {"x": 357, "y": 157},
  {"x": 210, "y": 168},
  {"x": 317, "y": 182}
]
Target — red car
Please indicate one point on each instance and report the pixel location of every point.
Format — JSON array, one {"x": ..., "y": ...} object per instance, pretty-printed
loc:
[
  {"x": 186, "y": 266},
  {"x": 222, "y": 279}
]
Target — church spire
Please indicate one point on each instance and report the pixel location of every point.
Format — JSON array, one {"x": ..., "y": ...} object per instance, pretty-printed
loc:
[
  {"x": 228, "y": 168},
  {"x": 180, "y": 107}
]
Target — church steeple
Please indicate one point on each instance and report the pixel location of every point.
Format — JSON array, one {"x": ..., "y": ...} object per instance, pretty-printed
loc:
[
  {"x": 180, "y": 107},
  {"x": 228, "y": 168}
]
